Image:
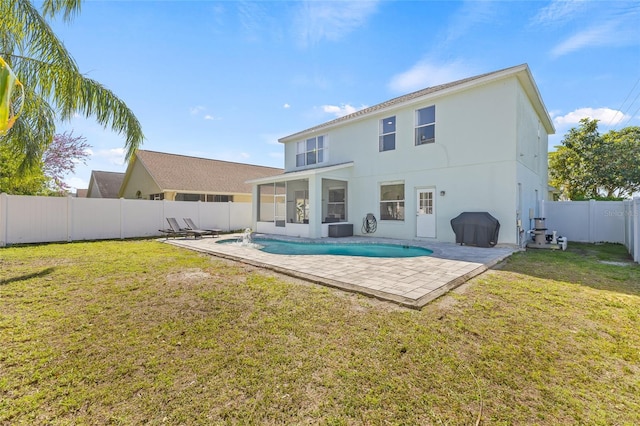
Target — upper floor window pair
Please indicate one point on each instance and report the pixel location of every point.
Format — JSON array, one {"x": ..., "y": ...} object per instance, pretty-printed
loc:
[
  {"x": 311, "y": 151},
  {"x": 314, "y": 150},
  {"x": 425, "y": 129}
]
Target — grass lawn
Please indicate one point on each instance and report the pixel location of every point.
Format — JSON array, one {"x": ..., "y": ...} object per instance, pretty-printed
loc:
[{"x": 127, "y": 332}]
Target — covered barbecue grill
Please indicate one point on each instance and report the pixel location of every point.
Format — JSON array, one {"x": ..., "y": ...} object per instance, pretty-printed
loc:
[{"x": 476, "y": 229}]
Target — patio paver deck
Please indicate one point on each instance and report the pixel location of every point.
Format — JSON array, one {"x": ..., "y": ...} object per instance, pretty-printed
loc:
[{"x": 412, "y": 282}]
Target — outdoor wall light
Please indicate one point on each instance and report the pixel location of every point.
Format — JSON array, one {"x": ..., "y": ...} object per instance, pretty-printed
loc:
[{"x": 442, "y": 193}]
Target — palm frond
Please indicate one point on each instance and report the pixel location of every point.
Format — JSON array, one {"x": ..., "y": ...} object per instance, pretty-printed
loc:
[
  {"x": 53, "y": 79},
  {"x": 69, "y": 8},
  {"x": 33, "y": 131}
]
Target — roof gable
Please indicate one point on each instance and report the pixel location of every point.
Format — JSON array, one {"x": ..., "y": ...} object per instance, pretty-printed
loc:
[
  {"x": 107, "y": 183},
  {"x": 522, "y": 72},
  {"x": 200, "y": 175}
]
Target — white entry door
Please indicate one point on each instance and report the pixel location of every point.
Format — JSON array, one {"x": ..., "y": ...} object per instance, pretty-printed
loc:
[{"x": 426, "y": 215}]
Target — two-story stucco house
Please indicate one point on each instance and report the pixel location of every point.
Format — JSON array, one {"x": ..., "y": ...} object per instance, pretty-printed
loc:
[{"x": 415, "y": 162}]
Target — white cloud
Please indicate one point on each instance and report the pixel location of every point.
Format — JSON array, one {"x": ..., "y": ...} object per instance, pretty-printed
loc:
[
  {"x": 606, "y": 116},
  {"x": 111, "y": 156},
  {"x": 211, "y": 117},
  {"x": 424, "y": 74},
  {"x": 316, "y": 21},
  {"x": 600, "y": 35},
  {"x": 470, "y": 14},
  {"x": 286, "y": 106},
  {"x": 603, "y": 24},
  {"x": 76, "y": 183},
  {"x": 340, "y": 110},
  {"x": 558, "y": 11},
  {"x": 196, "y": 109},
  {"x": 253, "y": 18}
]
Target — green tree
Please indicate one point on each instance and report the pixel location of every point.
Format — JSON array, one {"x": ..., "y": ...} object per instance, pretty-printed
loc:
[
  {"x": 46, "y": 176},
  {"x": 621, "y": 173},
  {"x": 54, "y": 87},
  {"x": 29, "y": 182},
  {"x": 589, "y": 165}
]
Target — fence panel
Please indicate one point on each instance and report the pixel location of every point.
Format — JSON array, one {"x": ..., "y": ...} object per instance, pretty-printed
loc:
[
  {"x": 586, "y": 221},
  {"x": 28, "y": 219},
  {"x": 31, "y": 219},
  {"x": 240, "y": 216},
  {"x": 141, "y": 218},
  {"x": 632, "y": 227},
  {"x": 94, "y": 219}
]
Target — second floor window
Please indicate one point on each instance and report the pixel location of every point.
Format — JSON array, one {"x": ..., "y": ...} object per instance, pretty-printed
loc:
[
  {"x": 311, "y": 151},
  {"x": 387, "y": 139},
  {"x": 426, "y": 125}
]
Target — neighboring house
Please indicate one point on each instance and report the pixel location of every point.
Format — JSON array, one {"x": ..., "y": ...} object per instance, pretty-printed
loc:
[
  {"x": 81, "y": 193},
  {"x": 104, "y": 184},
  {"x": 415, "y": 162},
  {"x": 154, "y": 175}
]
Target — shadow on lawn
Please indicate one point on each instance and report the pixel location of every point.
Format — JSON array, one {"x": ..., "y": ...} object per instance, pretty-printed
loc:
[
  {"x": 599, "y": 266},
  {"x": 40, "y": 274}
]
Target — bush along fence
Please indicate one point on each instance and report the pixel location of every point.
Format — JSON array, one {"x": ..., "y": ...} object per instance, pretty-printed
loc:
[
  {"x": 596, "y": 221},
  {"x": 30, "y": 219}
]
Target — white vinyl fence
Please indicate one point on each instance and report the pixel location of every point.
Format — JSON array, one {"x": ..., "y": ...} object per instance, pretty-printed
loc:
[
  {"x": 28, "y": 219},
  {"x": 596, "y": 221}
]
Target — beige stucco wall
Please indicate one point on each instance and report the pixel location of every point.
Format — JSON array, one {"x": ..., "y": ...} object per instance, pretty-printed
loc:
[{"x": 139, "y": 180}]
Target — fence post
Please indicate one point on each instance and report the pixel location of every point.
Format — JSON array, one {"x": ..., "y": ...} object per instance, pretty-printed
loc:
[
  {"x": 121, "y": 218},
  {"x": 635, "y": 220},
  {"x": 592, "y": 221},
  {"x": 69, "y": 218},
  {"x": 4, "y": 221}
]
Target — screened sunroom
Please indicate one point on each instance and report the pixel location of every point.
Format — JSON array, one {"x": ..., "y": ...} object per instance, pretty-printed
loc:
[{"x": 302, "y": 207}]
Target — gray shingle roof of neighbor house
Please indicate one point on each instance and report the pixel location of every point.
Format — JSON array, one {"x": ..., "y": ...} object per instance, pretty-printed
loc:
[
  {"x": 108, "y": 183},
  {"x": 183, "y": 173},
  {"x": 522, "y": 71}
]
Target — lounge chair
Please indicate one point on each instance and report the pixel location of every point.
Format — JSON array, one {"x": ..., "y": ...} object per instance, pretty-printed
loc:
[
  {"x": 175, "y": 228},
  {"x": 173, "y": 231},
  {"x": 214, "y": 232}
]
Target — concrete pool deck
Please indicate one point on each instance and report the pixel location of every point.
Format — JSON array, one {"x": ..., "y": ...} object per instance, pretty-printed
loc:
[{"x": 412, "y": 282}]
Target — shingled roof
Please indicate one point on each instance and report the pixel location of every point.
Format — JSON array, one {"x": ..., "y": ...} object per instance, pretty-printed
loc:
[
  {"x": 173, "y": 172},
  {"x": 107, "y": 183},
  {"x": 532, "y": 90}
]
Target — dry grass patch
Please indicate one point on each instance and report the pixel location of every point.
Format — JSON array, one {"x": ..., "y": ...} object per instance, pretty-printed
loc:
[{"x": 143, "y": 332}]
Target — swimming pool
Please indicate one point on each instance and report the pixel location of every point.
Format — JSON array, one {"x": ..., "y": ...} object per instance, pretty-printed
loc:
[{"x": 339, "y": 249}]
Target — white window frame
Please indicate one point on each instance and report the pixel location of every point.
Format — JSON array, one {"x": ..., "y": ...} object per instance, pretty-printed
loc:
[
  {"x": 419, "y": 127},
  {"x": 316, "y": 146},
  {"x": 394, "y": 209},
  {"x": 383, "y": 135}
]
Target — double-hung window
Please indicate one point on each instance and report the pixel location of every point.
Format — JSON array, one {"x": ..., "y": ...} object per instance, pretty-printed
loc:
[
  {"x": 311, "y": 151},
  {"x": 426, "y": 125},
  {"x": 387, "y": 139},
  {"x": 392, "y": 201}
]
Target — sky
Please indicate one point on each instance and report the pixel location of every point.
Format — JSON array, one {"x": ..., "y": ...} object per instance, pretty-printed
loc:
[{"x": 226, "y": 79}]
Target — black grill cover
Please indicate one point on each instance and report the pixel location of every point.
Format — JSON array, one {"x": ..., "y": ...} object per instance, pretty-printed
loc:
[{"x": 476, "y": 229}]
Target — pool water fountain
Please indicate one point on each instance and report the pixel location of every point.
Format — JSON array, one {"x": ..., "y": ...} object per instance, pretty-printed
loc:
[{"x": 246, "y": 240}]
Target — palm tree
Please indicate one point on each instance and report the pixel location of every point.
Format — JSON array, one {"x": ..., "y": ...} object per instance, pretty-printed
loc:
[{"x": 54, "y": 88}]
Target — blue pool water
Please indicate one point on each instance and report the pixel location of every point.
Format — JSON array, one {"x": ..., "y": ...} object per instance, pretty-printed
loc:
[{"x": 340, "y": 249}]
